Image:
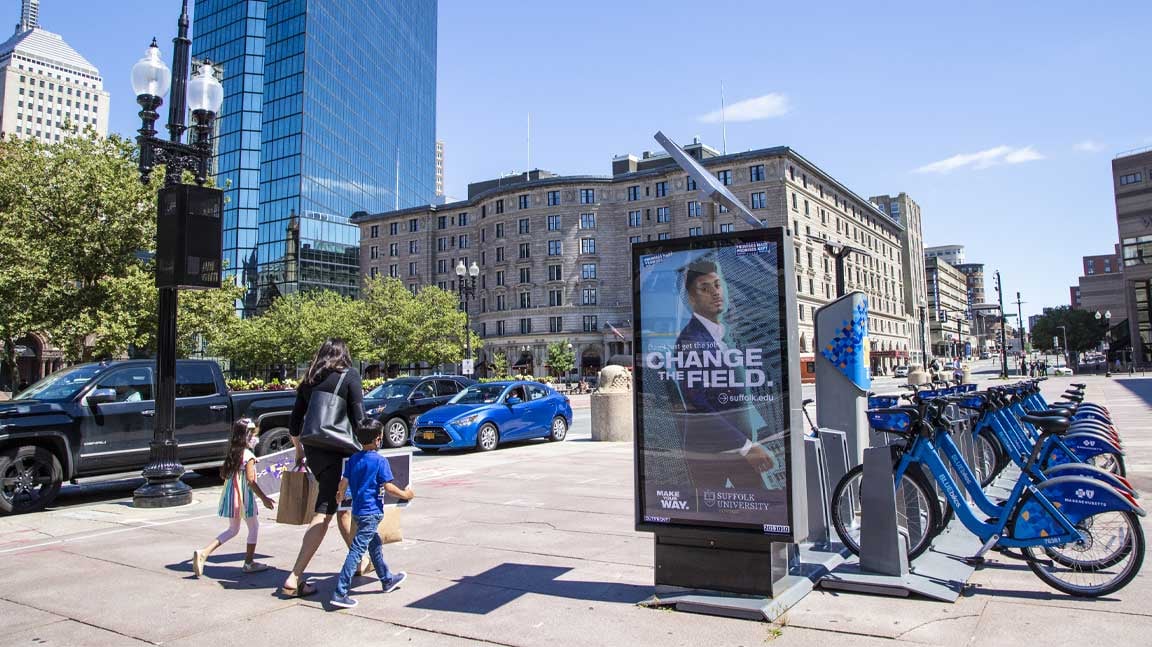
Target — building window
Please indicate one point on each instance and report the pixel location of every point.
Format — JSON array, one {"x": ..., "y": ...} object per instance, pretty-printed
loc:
[
  {"x": 690, "y": 183},
  {"x": 442, "y": 222},
  {"x": 499, "y": 278},
  {"x": 555, "y": 297},
  {"x": 462, "y": 219},
  {"x": 1131, "y": 178},
  {"x": 500, "y": 206},
  {"x": 411, "y": 269},
  {"x": 523, "y": 201},
  {"x": 524, "y": 226},
  {"x": 663, "y": 236},
  {"x": 590, "y": 323},
  {"x": 499, "y": 230},
  {"x": 442, "y": 244},
  {"x": 726, "y": 228},
  {"x": 555, "y": 248},
  {"x": 693, "y": 209},
  {"x": 794, "y": 207},
  {"x": 663, "y": 214},
  {"x": 499, "y": 254},
  {"x": 374, "y": 231},
  {"x": 725, "y": 177},
  {"x": 463, "y": 241},
  {"x": 413, "y": 247},
  {"x": 695, "y": 231},
  {"x": 633, "y": 193},
  {"x": 587, "y": 245},
  {"x": 588, "y": 271},
  {"x": 587, "y": 196},
  {"x": 554, "y": 273},
  {"x": 1090, "y": 267},
  {"x": 525, "y": 250},
  {"x": 632, "y": 240},
  {"x": 634, "y": 218},
  {"x": 413, "y": 225},
  {"x": 525, "y": 275},
  {"x": 588, "y": 296},
  {"x": 525, "y": 300},
  {"x": 500, "y": 328},
  {"x": 553, "y": 198},
  {"x": 587, "y": 221},
  {"x": 555, "y": 324},
  {"x": 661, "y": 189},
  {"x": 373, "y": 272},
  {"x": 500, "y": 303},
  {"x": 759, "y": 199},
  {"x": 373, "y": 252},
  {"x": 393, "y": 249},
  {"x": 756, "y": 173},
  {"x": 553, "y": 223},
  {"x": 393, "y": 228},
  {"x": 394, "y": 270},
  {"x": 807, "y": 210}
]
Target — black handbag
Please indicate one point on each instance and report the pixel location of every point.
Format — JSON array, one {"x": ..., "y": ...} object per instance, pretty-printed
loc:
[{"x": 326, "y": 424}]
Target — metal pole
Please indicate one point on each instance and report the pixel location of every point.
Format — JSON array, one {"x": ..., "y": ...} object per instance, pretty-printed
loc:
[
  {"x": 924, "y": 336},
  {"x": 1003, "y": 331}
]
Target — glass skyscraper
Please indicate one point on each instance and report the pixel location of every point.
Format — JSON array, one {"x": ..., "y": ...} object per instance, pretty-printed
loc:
[{"x": 329, "y": 109}]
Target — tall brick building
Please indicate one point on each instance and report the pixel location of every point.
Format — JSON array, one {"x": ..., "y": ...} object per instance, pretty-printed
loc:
[{"x": 555, "y": 257}]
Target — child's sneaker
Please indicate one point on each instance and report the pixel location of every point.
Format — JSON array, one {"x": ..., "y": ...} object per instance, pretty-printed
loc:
[
  {"x": 344, "y": 602},
  {"x": 395, "y": 581},
  {"x": 254, "y": 567}
]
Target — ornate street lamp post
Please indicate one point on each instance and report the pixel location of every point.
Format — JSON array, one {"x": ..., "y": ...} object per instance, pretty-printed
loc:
[
  {"x": 467, "y": 291},
  {"x": 1108, "y": 344},
  {"x": 187, "y": 257}
]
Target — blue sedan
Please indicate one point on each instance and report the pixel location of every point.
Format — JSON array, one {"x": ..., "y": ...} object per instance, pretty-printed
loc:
[{"x": 484, "y": 415}]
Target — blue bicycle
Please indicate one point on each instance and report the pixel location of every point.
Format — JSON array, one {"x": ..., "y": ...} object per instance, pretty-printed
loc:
[{"x": 1078, "y": 534}]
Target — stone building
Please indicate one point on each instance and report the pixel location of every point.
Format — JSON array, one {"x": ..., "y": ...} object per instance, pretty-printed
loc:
[
  {"x": 1132, "y": 183},
  {"x": 947, "y": 307},
  {"x": 555, "y": 251},
  {"x": 905, "y": 211}
]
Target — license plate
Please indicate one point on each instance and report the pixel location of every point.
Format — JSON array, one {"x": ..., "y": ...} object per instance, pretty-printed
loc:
[{"x": 429, "y": 435}]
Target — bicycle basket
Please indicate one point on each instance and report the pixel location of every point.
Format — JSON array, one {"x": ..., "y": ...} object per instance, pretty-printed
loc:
[
  {"x": 882, "y": 401},
  {"x": 898, "y": 422}
]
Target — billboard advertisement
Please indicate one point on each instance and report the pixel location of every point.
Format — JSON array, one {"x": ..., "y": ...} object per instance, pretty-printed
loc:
[{"x": 711, "y": 379}]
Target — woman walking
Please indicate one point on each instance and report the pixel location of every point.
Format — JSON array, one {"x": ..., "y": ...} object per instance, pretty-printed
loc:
[{"x": 330, "y": 373}]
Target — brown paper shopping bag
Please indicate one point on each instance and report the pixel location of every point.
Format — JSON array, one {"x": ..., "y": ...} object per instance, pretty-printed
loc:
[
  {"x": 297, "y": 498},
  {"x": 389, "y": 528}
]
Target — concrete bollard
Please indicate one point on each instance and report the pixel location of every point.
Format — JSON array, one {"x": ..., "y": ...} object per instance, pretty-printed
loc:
[{"x": 612, "y": 406}]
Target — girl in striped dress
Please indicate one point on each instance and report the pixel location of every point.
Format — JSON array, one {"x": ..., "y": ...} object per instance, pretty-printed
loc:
[{"x": 238, "y": 498}]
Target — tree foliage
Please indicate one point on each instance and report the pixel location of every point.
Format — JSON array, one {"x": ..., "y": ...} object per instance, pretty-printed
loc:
[
  {"x": 1084, "y": 331},
  {"x": 561, "y": 357}
]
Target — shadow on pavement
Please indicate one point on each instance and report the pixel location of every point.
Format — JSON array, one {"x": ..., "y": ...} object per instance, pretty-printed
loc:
[
  {"x": 1141, "y": 388},
  {"x": 496, "y": 587},
  {"x": 113, "y": 488}
]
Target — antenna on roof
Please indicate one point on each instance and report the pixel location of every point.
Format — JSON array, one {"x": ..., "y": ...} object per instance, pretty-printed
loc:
[{"x": 529, "y": 141}]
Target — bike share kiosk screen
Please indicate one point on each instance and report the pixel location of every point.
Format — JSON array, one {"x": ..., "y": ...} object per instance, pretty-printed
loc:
[{"x": 712, "y": 377}]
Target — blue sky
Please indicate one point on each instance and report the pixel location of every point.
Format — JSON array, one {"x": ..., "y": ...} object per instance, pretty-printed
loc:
[{"x": 999, "y": 119}]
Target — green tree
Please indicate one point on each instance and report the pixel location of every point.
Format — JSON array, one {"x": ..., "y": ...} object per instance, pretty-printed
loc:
[
  {"x": 561, "y": 358},
  {"x": 77, "y": 211},
  {"x": 500, "y": 365},
  {"x": 1083, "y": 331}
]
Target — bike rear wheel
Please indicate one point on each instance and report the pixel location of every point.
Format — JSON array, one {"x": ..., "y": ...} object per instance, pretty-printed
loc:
[
  {"x": 917, "y": 510},
  {"x": 990, "y": 457},
  {"x": 1104, "y": 561}
]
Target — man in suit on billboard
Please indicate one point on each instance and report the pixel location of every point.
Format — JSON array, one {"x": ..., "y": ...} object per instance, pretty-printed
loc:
[{"x": 718, "y": 445}]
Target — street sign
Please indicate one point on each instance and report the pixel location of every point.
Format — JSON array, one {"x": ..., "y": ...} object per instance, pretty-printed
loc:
[
  {"x": 467, "y": 367},
  {"x": 1056, "y": 341}
]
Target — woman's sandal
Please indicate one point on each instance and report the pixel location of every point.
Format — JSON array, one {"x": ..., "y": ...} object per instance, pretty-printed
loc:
[{"x": 300, "y": 590}]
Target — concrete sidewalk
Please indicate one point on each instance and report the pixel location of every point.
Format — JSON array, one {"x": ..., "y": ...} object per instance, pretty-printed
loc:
[{"x": 528, "y": 545}]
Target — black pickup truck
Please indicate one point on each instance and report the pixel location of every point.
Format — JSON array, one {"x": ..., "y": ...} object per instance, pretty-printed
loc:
[{"x": 97, "y": 419}]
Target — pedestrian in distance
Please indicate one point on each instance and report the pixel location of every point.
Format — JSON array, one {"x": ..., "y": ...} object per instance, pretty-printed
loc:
[
  {"x": 330, "y": 372},
  {"x": 238, "y": 498},
  {"x": 367, "y": 476}
]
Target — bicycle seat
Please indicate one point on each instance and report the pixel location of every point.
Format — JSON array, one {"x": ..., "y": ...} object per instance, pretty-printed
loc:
[
  {"x": 1074, "y": 397},
  {"x": 1047, "y": 424},
  {"x": 1053, "y": 412},
  {"x": 1081, "y": 385}
]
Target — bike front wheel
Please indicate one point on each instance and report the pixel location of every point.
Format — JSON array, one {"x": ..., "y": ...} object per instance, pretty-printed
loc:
[
  {"x": 1103, "y": 561},
  {"x": 917, "y": 510}
]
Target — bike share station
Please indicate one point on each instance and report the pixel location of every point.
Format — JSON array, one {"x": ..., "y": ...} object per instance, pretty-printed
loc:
[{"x": 725, "y": 545}]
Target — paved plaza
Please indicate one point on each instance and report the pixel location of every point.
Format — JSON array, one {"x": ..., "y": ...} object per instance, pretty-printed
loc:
[{"x": 531, "y": 544}]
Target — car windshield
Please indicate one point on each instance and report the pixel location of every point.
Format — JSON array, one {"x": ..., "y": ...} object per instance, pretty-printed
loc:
[
  {"x": 479, "y": 394},
  {"x": 391, "y": 390},
  {"x": 61, "y": 385}
]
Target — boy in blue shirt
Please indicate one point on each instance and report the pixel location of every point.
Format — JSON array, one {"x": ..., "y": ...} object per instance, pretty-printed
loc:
[{"x": 365, "y": 474}]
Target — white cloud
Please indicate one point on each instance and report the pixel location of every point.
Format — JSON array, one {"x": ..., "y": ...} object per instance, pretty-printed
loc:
[
  {"x": 983, "y": 159},
  {"x": 1089, "y": 146},
  {"x": 765, "y": 107}
]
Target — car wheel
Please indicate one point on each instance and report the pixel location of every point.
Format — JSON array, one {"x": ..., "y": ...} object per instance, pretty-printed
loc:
[
  {"x": 274, "y": 440},
  {"x": 559, "y": 429},
  {"x": 487, "y": 437},
  {"x": 30, "y": 478},
  {"x": 395, "y": 433}
]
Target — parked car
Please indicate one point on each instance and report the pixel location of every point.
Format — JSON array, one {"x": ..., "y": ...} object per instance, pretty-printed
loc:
[
  {"x": 396, "y": 403},
  {"x": 484, "y": 415},
  {"x": 1062, "y": 370},
  {"x": 900, "y": 371},
  {"x": 95, "y": 419}
]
